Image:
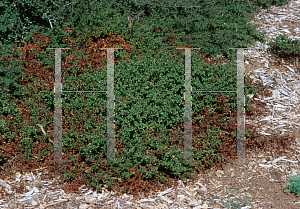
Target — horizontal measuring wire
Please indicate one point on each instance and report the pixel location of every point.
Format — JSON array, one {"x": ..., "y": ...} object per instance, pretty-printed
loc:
[
  {"x": 206, "y": 91},
  {"x": 81, "y": 91}
]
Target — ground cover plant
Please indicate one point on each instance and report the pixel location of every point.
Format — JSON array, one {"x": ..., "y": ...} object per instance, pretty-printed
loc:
[
  {"x": 149, "y": 90},
  {"x": 284, "y": 47}
]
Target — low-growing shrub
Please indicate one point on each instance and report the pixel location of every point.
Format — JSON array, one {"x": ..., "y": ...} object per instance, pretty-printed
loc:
[
  {"x": 149, "y": 86},
  {"x": 293, "y": 185},
  {"x": 284, "y": 47}
]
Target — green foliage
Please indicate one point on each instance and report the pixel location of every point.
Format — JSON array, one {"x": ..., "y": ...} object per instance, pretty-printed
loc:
[
  {"x": 67, "y": 175},
  {"x": 248, "y": 133},
  {"x": 9, "y": 76},
  {"x": 152, "y": 88},
  {"x": 20, "y": 18},
  {"x": 293, "y": 185},
  {"x": 268, "y": 3},
  {"x": 283, "y": 46},
  {"x": 236, "y": 203},
  {"x": 44, "y": 152},
  {"x": 211, "y": 142}
]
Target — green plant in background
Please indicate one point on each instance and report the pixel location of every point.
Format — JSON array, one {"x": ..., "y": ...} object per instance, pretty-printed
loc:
[
  {"x": 237, "y": 203},
  {"x": 283, "y": 46},
  {"x": 293, "y": 185},
  {"x": 248, "y": 133},
  {"x": 45, "y": 153},
  {"x": 268, "y": 3}
]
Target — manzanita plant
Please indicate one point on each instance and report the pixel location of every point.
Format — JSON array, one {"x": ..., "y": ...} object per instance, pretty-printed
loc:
[{"x": 149, "y": 85}]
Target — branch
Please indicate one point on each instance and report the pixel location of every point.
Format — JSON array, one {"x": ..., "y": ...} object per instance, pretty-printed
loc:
[
  {"x": 50, "y": 23},
  {"x": 42, "y": 129}
]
